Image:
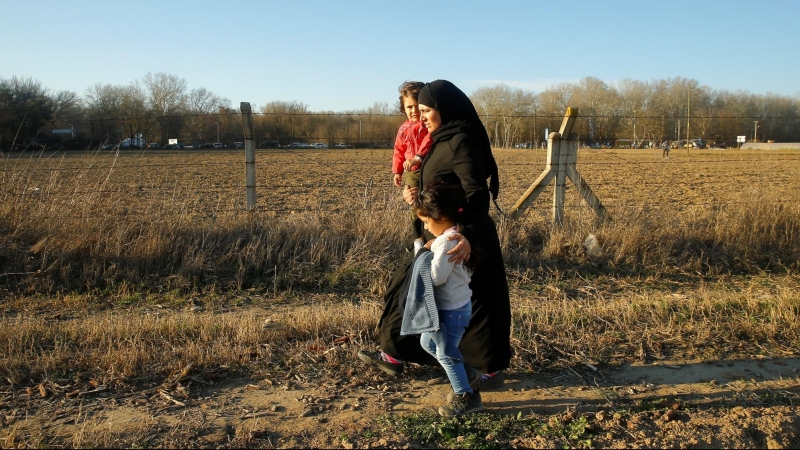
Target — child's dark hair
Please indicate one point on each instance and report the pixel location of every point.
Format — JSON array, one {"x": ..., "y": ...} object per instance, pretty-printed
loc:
[
  {"x": 409, "y": 89},
  {"x": 439, "y": 200}
]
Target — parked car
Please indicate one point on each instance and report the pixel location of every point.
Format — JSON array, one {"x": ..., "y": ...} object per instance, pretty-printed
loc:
[
  {"x": 270, "y": 144},
  {"x": 343, "y": 145},
  {"x": 719, "y": 144},
  {"x": 697, "y": 143},
  {"x": 300, "y": 145},
  {"x": 178, "y": 147},
  {"x": 238, "y": 145},
  {"x": 623, "y": 143},
  {"x": 206, "y": 145},
  {"x": 320, "y": 145},
  {"x": 218, "y": 145}
]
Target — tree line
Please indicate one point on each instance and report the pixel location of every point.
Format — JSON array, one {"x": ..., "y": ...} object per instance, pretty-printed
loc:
[
  {"x": 657, "y": 110},
  {"x": 160, "y": 107}
]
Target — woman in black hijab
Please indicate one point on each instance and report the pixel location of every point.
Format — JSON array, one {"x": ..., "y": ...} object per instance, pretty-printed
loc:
[{"x": 460, "y": 155}]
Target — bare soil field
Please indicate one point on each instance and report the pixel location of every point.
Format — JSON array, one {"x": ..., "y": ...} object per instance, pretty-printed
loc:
[
  {"x": 333, "y": 180},
  {"x": 166, "y": 342}
]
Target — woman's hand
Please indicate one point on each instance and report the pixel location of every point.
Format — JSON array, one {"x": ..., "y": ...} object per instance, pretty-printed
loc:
[
  {"x": 410, "y": 194},
  {"x": 462, "y": 250},
  {"x": 397, "y": 179},
  {"x": 411, "y": 163}
]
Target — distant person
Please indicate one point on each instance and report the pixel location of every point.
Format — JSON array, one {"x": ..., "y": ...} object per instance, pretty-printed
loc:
[
  {"x": 411, "y": 144},
  {"x": 440, "y": 207},
  {"x": 665, "y": 150}
]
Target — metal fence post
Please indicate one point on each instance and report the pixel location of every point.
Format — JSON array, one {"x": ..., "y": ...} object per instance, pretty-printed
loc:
[{"x": 249, "y": 154}]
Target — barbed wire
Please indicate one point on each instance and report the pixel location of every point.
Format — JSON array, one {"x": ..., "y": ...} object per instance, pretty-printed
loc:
[
  {"x": 543, "y": 116},
  {"x": 346, "y": 208},
  {"x": 38, "y": 192},
  {"x": 619, "y": 161}
]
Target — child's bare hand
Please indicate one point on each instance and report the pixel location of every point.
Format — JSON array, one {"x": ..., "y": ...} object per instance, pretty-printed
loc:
[
  {"x": 409, "y": 164},
  {"x": 429, "y": 244},
  {"x": 397, "y": 179}
]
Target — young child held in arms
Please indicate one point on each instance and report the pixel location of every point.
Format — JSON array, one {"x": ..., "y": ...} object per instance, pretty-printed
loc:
[
  {"x": 441, "y": 208},
  {"x": 412, "y": 142}
]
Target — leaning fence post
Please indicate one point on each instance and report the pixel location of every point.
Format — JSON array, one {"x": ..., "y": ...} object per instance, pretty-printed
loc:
[
  {"x": 562, "y": 158},
  {"x": 249, "y": 155}
]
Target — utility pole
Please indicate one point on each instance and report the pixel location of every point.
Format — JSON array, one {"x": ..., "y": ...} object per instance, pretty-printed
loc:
[
  {"x": 217, "y": 131},
  {"x": 688, "y": 108},
  {"x": 755, "y": 131}
]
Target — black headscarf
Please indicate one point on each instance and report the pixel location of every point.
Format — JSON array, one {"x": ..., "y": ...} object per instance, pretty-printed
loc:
[{"x": 459, "y": 115}]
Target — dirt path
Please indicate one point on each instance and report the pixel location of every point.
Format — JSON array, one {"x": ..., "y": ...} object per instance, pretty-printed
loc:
[{"x": 742, "y": 403}]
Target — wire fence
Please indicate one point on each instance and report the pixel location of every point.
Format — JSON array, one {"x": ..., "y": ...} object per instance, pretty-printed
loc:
[
  {"x": 210, "y": 184},
  {"x": 363, "y": 130}
]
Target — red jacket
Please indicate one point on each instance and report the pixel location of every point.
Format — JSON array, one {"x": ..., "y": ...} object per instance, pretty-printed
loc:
[{"x": 412, "y": 140}]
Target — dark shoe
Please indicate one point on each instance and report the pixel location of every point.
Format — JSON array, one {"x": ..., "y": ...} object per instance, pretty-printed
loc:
[
  {"x": 495, "y": 382},
  {"x": 462, "y": 404},
  {"x": 374, "y": 359},
  {"x": 474, "y": 378}
]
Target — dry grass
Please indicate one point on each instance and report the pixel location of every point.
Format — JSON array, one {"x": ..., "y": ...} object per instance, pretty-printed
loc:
[
  {"x": 73, "y": 222},
  {"x": 125, "y": 265},
  {"x": 564, "y": 323},
  {"x": 158, "y": 341}
]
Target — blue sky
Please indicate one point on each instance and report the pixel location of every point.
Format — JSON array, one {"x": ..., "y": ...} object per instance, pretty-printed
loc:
[{"x": 344, "y": 55}]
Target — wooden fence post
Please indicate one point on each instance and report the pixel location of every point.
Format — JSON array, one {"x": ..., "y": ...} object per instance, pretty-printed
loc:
[
  {"x": 249, "y": 155},
  {"x": 562, "y": 158},
  {"x": 559, "y": 146}
]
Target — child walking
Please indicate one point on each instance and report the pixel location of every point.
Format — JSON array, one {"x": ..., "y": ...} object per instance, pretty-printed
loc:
[{"x": 441, "y": 208}]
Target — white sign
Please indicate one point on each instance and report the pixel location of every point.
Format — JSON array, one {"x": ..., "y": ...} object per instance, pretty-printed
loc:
[
  {"x": 172, "y": 141},
  {"x": 741, "y": 138}
]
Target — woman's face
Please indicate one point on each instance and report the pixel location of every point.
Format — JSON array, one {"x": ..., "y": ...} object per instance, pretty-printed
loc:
[
  {"x": 430, "y": 117},
  {"x": 411, "y": 107}
]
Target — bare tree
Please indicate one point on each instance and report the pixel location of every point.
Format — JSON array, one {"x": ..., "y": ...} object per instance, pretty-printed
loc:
[
  {"x": 594, "y": 98},
  {"x": 166, "y": 99},
  {"x": 67, "y": 105},
  {"x": 202, "y": 109},
  {"x": 135, "y": 118},
  {"x": 503, "y": 110},
  {"x": 25, "y": 108},
  {"x": 284, "y": 121}
]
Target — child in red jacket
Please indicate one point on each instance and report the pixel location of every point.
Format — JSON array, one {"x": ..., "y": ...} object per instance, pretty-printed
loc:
[
  {"x": 411, "y": 145},
  {"x": 412, "y": 142}
]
